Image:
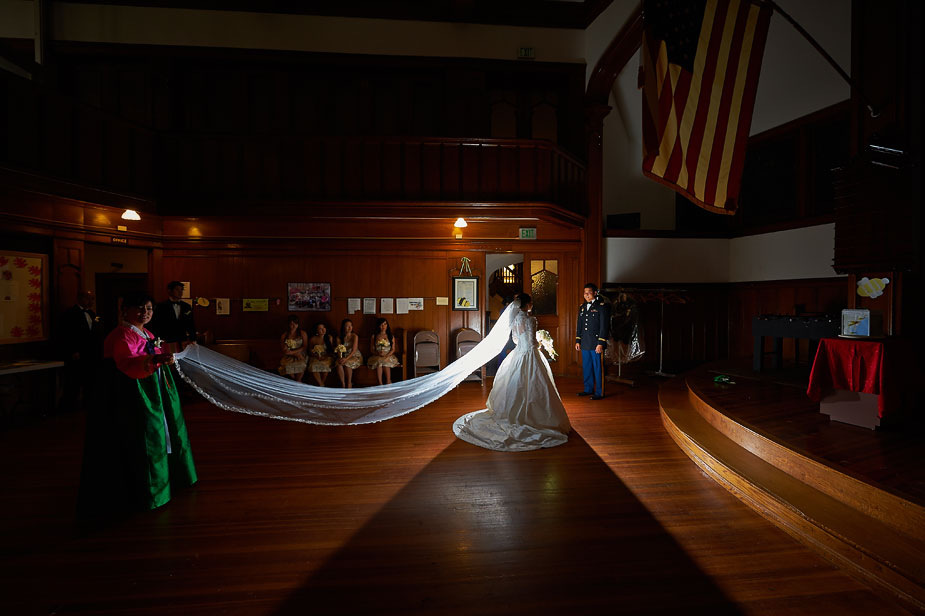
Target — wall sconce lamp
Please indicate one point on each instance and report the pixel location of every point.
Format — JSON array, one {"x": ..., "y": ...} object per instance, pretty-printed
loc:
[
  {"x": 130, "y": 215},
  {"x": 459, "y": 225}
]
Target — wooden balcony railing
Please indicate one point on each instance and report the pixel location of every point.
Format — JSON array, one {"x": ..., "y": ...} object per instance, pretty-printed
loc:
[{"x": 202, "y": 169}]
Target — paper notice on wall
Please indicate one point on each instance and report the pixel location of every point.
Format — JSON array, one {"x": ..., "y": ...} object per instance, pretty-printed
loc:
[
  {"x": 401, "y": 305},
  {"x": 386, "y": 305},
  {"x": 353, "y": 305},
  {"x": 369, "y": 305}
]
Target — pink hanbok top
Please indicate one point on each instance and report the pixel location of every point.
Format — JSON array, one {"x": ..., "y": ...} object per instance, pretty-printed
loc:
[{"x": 127, "y": 347}]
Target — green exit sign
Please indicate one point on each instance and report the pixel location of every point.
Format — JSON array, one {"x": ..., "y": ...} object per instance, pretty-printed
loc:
[
  {"x": 526, "y": 53},
  {"x": 528, "y": 233}
]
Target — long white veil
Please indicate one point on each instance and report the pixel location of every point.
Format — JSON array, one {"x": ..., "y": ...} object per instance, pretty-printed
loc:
[{"x": 236, "y": 386}]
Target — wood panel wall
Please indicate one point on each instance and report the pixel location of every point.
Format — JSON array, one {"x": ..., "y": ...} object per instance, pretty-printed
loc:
[
  {"x": 707, "y": 322},
  {"x": 357, "y": 269}
]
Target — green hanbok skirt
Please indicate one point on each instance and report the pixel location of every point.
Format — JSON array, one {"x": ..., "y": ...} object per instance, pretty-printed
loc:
[{"x": 129, "y": 430}]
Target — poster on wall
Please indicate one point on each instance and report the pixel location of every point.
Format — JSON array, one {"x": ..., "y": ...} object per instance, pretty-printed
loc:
[
  {"x": 353, "y": 305},
  {"x": 23, "y": 296},
  {"x": 186, "y": 290},
  {"x": 222, "y": 305},
  {"x": 311, "y": 296},
  {"x": 256, "y": 305},
  {"x": 415, "y": 303}
]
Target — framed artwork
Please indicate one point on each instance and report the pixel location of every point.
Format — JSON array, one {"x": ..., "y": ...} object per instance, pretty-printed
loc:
[
  {"x": 23, "y": 296},
  {"x": 465, "y": 293},
  {"x": 222, "y": 305},
  {"x": 310, "y": 296}
]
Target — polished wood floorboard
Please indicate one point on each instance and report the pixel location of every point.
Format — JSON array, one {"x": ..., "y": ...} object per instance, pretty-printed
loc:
[
  {"x": 775, "y": 403},
  {"x": 402, "y": 518}
]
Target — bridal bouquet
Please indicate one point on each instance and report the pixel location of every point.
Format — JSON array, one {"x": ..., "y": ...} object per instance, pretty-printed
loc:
[
  {"x": 318, "y": 350},
  {"x": 545, "y": 340},
  {"x": 383, "y": 346},
  {"x": 340, "y": 350}
]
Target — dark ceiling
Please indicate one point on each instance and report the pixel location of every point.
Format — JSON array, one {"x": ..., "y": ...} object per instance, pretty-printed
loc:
[{"x": 544, "y": 13}]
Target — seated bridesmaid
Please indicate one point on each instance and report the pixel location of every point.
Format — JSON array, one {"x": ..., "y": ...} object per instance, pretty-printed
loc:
[
  {"x": 348, "y": 354},
  {"x": 322, "y": 348},
  {"x": 294, "y": 344},
  {"x": 382, "y": 352}
]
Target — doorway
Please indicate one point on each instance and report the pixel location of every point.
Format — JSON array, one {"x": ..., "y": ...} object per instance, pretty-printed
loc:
[
  {"x": 109, "y": 291},
  {"x": 505, "y": 280}
]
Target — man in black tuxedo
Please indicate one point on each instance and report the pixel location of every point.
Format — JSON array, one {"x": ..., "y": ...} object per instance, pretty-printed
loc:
[
  {"x": 173, "y": 319},
  {"x": 81, "y": 334}
]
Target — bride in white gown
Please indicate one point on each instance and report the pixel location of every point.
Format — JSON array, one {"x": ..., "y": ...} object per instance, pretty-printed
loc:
[{"x": 524, "y": 411}]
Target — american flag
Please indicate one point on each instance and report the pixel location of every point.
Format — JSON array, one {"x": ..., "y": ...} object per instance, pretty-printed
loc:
[{"x": 699, "y": 73}]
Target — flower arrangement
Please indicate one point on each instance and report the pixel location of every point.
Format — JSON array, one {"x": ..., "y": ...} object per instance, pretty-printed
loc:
[
  {"x": 383, "y": 346},
  {"x": 545, "y": 340},
  {"x": 340, "y": 350},
  {"x": 318, "y": 350},
  {"x": 293, "y": 343}
]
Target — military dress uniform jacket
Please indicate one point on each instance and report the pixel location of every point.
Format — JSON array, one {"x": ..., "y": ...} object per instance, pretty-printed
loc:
[
  {"x": 593, "y": 325},
  {"x": 165, "y": 323}
]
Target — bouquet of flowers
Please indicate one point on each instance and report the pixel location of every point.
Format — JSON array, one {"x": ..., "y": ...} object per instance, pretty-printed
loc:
[
  {"x": 293, "y": 344},
  {"x": 318, "y": 350},
  {"x": 545, "y": 340},
  {"x": 383, "y": 346},
  {"x": 340, "y": 350}
]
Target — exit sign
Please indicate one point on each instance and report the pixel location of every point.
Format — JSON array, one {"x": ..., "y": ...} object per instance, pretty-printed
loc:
[
  {"x": 528, "y": 233},
  {"x": 526, "y": 53}
]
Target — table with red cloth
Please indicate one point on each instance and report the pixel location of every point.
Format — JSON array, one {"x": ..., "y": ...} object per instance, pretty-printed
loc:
[{"x": 866, "y": 366}]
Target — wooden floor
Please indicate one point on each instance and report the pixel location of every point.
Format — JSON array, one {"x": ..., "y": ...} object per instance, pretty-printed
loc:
[{"x": 402, "y": 518}]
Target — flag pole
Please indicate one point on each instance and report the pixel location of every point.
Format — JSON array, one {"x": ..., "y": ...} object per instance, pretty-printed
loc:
[{"x": 874, "y": 112}]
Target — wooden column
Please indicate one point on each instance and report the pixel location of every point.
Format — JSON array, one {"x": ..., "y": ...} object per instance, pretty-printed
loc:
[
  {"x": 593, "y": 233},
  {"x": 68, "y": 274}
]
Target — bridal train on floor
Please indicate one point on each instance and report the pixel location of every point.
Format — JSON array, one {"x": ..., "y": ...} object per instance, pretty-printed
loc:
[{"x": 524, "y": 389}]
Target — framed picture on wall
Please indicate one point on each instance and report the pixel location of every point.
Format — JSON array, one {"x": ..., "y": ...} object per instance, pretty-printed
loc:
[
  {"x": 465, "y": 293},
  {"x": 311, "y": 296}
]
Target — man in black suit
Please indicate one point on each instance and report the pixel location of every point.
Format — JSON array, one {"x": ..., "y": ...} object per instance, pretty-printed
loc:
[
  {"x": 173, "y": 319},
  {"x": 591, "y": 336},
  {"x": 81, "y": 343}
]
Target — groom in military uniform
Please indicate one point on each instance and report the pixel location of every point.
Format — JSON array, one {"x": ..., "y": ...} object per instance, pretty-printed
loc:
[{"x": 591, "y": 339}]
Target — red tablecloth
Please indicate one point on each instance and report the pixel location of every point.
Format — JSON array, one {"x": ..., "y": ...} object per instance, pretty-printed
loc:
[{"x": 866, "y": 366}]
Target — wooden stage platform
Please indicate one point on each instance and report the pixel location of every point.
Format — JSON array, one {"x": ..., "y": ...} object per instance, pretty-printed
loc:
[
  {"x": 855, "y": 495},
  {"x": 402, "y": 518}
]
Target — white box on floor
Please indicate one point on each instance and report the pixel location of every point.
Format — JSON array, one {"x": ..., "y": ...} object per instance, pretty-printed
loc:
[{"x": 857, "y": 409}]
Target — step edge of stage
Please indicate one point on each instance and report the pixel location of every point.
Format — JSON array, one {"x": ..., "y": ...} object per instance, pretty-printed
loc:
[
  {"x": 877, "y": 554},
  {"x": 864, "y": 495}
]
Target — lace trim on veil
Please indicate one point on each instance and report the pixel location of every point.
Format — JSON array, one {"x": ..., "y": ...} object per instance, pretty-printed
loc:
[{"x": 235, "y": 386}]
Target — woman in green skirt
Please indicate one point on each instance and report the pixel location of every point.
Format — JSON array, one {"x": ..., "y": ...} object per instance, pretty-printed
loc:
[{"x": 137, "y": 450}]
